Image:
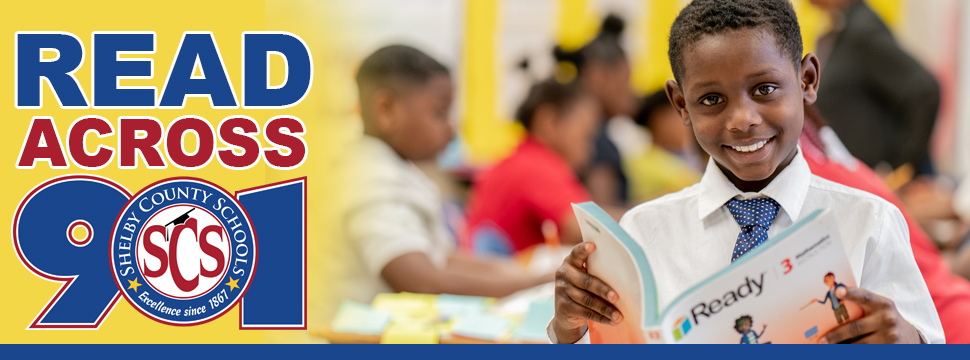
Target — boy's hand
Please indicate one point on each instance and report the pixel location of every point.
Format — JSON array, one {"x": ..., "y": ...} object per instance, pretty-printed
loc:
[
  {"x": 581, "y": 297},
  {"x": 882, "y": 324}
]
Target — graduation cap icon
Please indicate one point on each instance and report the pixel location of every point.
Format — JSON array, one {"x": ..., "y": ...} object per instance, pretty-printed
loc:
[{"x": 181, "y": 219}]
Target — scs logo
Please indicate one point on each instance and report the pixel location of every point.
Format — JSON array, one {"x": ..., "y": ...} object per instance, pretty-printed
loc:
[
  {"x": 180, "y": 238},
  {"x": 183, "y": 251}
]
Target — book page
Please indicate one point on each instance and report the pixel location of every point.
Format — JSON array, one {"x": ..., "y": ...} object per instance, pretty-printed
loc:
[{"x": 614, "y": 262}]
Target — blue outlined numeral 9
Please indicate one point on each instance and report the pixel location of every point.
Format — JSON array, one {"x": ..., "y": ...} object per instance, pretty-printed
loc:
[{"x": 61, "y": 232}]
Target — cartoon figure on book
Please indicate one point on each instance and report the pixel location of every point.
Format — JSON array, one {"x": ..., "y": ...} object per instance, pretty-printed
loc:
[
  {"x": 838, "y": 305},
  {"x": 741, "y": 83},
  {"x": 748, "y": 336}
]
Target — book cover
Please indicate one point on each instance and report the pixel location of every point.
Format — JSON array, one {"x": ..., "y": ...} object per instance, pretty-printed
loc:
[{"x": 781, "y": 292}]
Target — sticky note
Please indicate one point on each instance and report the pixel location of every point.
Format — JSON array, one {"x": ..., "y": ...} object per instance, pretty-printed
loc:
[
  {"x": 533, "y": 326},
  {"x": 356, "y": 318},
  {"x": 482, "y": 326},
  {"x": 410, "y": 333},
  {"x": 449, "y": 306}
]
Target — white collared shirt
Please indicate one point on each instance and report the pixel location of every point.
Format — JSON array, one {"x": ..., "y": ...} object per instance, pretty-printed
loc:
[{"x": 689, "y": 236}]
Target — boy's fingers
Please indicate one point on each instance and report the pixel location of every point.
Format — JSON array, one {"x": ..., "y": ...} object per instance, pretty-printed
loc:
[
  {"x": 582, "y": 280},
  {"x": 868, "y": 300},
  {"x": 574, "y": 309},
  {"x": 871, "y": 339},
  {"x": 577, "y": 257},
  {"x": 849, "y": 330},
  {"x": 593, "y": 302}
]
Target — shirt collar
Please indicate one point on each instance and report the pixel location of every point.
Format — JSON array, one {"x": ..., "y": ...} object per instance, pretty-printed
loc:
[{"x": 789, "y": 188}]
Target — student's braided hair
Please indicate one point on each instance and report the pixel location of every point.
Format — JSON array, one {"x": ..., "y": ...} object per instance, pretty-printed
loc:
[
  {"x": 706, "y": 17},
  {"x": 604, "y": 49}
]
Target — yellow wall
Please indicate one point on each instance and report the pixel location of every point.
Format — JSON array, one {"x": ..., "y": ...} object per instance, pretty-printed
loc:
[{"x": 488, "y": 136}]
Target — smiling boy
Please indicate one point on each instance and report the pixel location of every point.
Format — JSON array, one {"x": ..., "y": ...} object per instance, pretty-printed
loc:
[{"x": 741, "y": 85}]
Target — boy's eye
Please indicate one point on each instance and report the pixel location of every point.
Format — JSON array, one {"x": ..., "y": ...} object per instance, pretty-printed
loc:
[
  {"x": 711, "y": 100},
  {"x": 765, "y": 90}
]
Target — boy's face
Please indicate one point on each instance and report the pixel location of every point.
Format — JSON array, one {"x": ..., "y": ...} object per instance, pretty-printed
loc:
[
  {"x": 574, "y": 132},
  {"x": 416, "y": 123},
  {"x": 745, "y": 325},
  {"x": 744, "y": 100},
  {"x": 668, "y": 131},
  {"x": 830, "y": 281},
  {"x": 611, "y": 85}
]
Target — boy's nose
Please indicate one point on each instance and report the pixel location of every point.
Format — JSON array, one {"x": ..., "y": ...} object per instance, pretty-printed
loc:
[{"x": 743, "y": 116}]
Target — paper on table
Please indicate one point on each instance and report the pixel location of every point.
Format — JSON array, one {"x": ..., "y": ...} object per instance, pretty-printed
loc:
[
  {"x": 533, "y": 326},
  {"x": 410, "y": 333},
  {"x": 356, "y": 318},
  {"x": 407, "y": 306},
  {"x": 482, "y": 326},
  {"x": 449, "y": 306}
]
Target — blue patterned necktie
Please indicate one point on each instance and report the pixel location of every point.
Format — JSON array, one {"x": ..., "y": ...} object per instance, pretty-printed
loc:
[{"x": 755, "y": 217}]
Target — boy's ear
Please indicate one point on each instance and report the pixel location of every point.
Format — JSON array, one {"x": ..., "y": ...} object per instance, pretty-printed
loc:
[
  {"x": 383, "y": 109},
  {"x": 676, "y": 97},
  {"x": 809, "y": 77}
]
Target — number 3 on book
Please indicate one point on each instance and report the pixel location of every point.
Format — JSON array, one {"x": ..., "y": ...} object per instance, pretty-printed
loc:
[{"x": 787, "y": 265}]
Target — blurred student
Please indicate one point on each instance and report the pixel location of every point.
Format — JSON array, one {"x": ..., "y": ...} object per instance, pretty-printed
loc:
[
  {"x": 671, "y": 161},
  {"x": 602, "y": 67},
  {"x": 667, "y": 131},
  {"x": 827, "y": 158},
  {"x": 512, "y": 203},
  {"x": 878, "y": 98},
  {"x": 742, "y": 85},
  {"x": 393, "y": 238}
]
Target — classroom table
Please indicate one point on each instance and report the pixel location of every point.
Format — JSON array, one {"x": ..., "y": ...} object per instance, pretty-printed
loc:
[
  {"x": 525, "y": 258},
  {"x": 342, "y": 338}
]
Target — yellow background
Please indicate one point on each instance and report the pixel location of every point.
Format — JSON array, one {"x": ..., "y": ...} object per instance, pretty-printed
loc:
[{"x": 25, "y": 294}]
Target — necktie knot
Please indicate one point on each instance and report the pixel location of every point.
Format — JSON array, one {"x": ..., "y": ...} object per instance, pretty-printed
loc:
[
  {"x": 753, "y": 212},
  {"x": 755, "y": 217}
]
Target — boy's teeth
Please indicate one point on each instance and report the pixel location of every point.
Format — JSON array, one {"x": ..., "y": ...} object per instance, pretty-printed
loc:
[{"x": 750, "y": 148}]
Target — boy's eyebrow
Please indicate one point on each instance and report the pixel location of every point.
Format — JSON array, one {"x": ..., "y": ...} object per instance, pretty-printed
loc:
[{"x": 763, "y": 72}]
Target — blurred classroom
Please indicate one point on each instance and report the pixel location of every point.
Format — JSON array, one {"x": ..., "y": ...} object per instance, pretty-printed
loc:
[{"x": 497, "y": 51}]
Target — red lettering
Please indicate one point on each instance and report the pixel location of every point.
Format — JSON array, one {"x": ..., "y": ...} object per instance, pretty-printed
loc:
[
  {"x": 212, "y": 251},
  {"x": 242, "y": 140},
  {"x": 173, "y": 244},
  {"x": 139, "y": 135},
  {"x": 42, "y": 143},
  {"x": 76, "y": 136},
  {"x": 175, "y": 144},
  {"x": 282, "y": 132},
  {"x": 155, "y": 251}
]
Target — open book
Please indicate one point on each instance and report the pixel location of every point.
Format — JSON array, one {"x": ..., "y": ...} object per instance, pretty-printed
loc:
[{"x": 783, "y": 291}]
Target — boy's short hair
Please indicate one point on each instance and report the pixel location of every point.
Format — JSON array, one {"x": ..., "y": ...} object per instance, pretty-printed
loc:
[
  {"x": 396, "y": 67},
  {"x": 706, "y": 17}
]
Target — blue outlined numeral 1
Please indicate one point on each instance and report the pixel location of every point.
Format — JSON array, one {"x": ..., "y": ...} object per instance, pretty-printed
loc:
[
  {"x": 276, "y": 299},
  {"x": 61, "y": 232}
]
